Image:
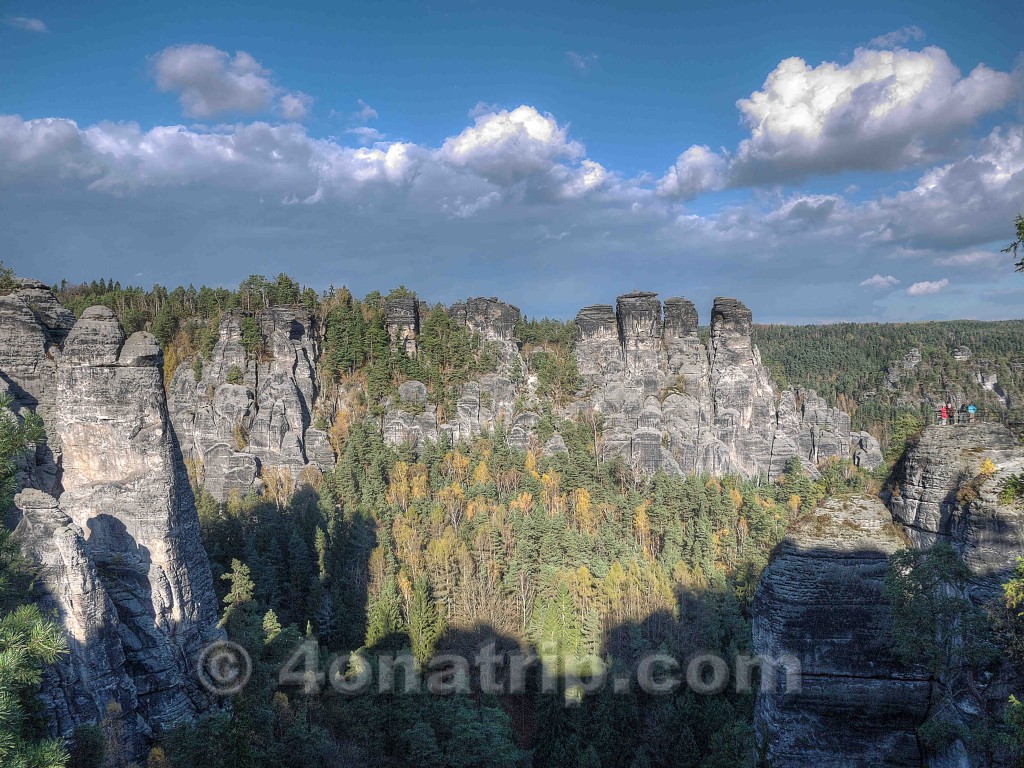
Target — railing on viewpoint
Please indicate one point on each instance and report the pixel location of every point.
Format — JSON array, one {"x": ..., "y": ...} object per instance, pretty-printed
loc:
[{"x": 991, "y": 416}]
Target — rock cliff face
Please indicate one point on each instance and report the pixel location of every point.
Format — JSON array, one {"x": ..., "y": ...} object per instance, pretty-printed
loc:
[
  {"x": 402, "y": 317},
  {"x": 79, "y": 687},
  {"x": 234, "y": 431},
  {"x": 483, "y": 402},
  {"x": 115, "y": 532},
  {"x": 666, "y": 399},
  {"x": 669, "y": 401},
  {"x": 820, "y": 600},
  {"x": 940, "y": 494}
]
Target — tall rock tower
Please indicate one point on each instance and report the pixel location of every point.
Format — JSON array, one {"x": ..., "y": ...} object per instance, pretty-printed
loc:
[{"x": 108, "y": 515}]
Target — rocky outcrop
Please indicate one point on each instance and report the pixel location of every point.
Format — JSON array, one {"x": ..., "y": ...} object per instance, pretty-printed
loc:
[
  {"x": 939, "y": 492},
  {"x": 410, "y": 421},
  {"x": 820, "y": 601},
  {"x": 79, "y": 687},
  {"x": 639, "y": 319},
  {"x": 117, "y": 537},
  {"x": 252, "y": 412},
  {"x": 484, "y": 403},
  {"x": 492, "y": 319},
  {"x": 597, "y": 341},
  {"x": 867, "y": 453},
  {"x": 670, "y": 402},
  {"x": 903, "y": 368},
  {"x": 33, "y": 325},
  {"x": 402, "y": 319},
  {"x": 667, "y": 400}
]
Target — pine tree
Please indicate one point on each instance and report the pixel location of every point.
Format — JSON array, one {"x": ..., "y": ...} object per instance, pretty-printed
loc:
[
  {"x": 384, "y": 616},
  {"x": 241, "y": 612},
  {"x": 424, "y": 625}
]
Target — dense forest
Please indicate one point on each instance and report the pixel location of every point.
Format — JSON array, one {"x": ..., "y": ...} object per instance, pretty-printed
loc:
[{"x": 474, "y": 543}]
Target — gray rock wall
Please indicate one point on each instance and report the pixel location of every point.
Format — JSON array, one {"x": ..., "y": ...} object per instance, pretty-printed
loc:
[
  {"x": 667, "y": 400},
  {"x": 233, "y": 432},
  {"x": 820, "y": 600},
  {"x": 670, "y": 402},
  {"x": 926, "y": 499},
  {"x": 110, "y": 521}
]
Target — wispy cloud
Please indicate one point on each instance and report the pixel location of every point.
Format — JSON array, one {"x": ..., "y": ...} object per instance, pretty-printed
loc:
[
  {"x": 970, "y": 259},
  {"x": 482, "y": 108},
  {"x": 900, "y": 36},
  {"x": 366, "y": 134},
  {"x": 581, "y": 61},
  {"x": 365, "y": 112},
  {"x": 26, "y": 23}
]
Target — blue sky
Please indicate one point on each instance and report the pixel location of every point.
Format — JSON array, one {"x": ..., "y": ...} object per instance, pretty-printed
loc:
[{"x": 554, "y": 154}]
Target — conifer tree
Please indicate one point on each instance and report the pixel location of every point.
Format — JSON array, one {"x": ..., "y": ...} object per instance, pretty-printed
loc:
[{"x": 425, "y": 626}]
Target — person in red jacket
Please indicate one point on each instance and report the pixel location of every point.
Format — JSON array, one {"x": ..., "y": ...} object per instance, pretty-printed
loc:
[{"x": 943, "y": 415}]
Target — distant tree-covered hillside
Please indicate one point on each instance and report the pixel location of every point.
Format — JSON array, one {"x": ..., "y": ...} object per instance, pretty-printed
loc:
[{"x": 869, "y": 369}]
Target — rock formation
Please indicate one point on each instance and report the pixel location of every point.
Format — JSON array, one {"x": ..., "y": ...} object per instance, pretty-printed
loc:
[
  {"x": 940, "y": 494},
  {"x": 820, "y": 600},
  {"x": 492, "y": 319},
  {"x": 484, "y": 402},
  {"x": 667, "y": 401},
  {"x": 261, "y": 419},
  {"x": 110, "y": 520},
  {"x": 402, "y": 318}
]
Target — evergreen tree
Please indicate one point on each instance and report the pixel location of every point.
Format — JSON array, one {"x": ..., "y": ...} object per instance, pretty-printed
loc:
[
  {"x": 424, "y": 625},
  {"x": 384, "y": 616}
]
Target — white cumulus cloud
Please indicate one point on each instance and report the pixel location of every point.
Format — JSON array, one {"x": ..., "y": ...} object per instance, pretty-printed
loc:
[
  {"x": 927, "y": 287},
  {"x": 212, "y": 82},
  {"x": 695, "y": 171},
  {"x": 483, "y": 162},
  {"x": 522, "y": 146},
  {"x": 883, "y": 110},
  {"x": 880, "y": 282}
]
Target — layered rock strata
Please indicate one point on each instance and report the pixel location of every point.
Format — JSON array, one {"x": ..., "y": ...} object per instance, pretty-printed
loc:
[
  {"x": 946, "y": 488},
  {"x": 820, "y": 602}
]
